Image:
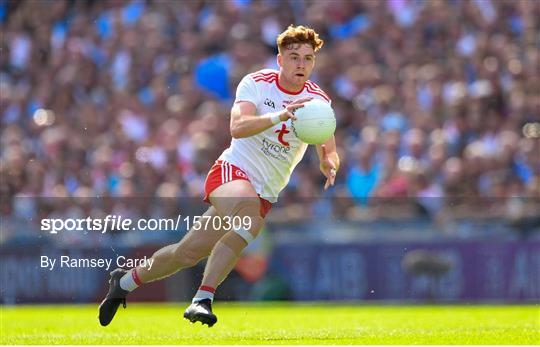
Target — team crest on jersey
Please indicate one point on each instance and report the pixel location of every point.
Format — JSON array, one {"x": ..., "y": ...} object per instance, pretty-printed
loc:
[{"x": 281, "y": 132}]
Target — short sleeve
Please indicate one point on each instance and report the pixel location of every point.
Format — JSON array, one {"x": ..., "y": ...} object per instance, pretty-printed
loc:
[{"x": 247, "y": 91}]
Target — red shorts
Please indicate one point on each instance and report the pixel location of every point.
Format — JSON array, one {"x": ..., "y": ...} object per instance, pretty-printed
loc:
[{"x": 223, "y": 172}]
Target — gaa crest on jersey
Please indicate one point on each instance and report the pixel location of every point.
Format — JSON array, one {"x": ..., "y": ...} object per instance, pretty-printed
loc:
[{"x": 269, "y": 103}]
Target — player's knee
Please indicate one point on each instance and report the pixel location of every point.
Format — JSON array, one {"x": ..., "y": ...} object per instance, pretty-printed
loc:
[
  {"x": 249, "y": 211},
  {"x": 235, "y": 241}
]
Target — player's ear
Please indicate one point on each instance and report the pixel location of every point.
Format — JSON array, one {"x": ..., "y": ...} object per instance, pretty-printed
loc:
[{"x": 279, "y": 59}]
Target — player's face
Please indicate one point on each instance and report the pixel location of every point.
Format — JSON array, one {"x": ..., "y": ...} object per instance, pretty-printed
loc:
[{"x": 297, "y": 62}]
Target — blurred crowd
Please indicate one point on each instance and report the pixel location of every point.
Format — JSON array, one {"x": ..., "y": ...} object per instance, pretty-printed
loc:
[{"x": 131, "y": 98}]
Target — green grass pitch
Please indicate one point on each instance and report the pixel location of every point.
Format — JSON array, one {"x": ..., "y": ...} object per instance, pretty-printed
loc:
[{"x": 274, "y": 323}]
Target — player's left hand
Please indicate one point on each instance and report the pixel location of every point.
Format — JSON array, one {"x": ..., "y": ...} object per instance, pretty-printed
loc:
[{"x": 328, "y": 168}]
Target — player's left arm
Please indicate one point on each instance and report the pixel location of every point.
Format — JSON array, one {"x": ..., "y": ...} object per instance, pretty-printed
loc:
[{"x": 329, "y": 161}]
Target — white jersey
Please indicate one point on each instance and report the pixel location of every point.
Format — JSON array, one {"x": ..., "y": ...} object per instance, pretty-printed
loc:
[{"x": 269, "y": 157}]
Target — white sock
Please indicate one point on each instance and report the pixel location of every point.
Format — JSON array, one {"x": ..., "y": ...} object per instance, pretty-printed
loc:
[
  {"x": 129, "y": 281},
  {"x": 204, "y": 292}
]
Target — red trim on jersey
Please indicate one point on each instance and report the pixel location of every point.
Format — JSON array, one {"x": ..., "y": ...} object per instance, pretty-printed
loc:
[
  {"x": 264, "y": 76},
  {"x": 315, "y": 89},
  {"x": 260, "y": 72},
  {"x": 289, "y": 92},
  {"x": 268, "y": 77},
  {"x": 223, "y": 172},
  {"x": 313, "y": 84},
  {"x": 272, "y": 81},
  {"x": 257, "y": 74},
  {"x": 318, "y": 93},
  {"x": 272, "y": 76},
  {"x": 265, "y": 79}
]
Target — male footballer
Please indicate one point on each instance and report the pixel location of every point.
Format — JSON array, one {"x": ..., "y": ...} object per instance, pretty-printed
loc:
[{"x": 245, "y": 180}]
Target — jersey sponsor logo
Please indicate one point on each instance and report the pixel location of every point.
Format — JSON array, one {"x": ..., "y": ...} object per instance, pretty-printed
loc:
[
  {"x": 282, "y": 132},
  {"x": 275, "y": 150},
  {"x": 269, "y": 103}
]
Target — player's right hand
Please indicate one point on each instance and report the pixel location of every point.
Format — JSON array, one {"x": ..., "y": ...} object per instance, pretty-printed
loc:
[{"x": 288, "y": 112}]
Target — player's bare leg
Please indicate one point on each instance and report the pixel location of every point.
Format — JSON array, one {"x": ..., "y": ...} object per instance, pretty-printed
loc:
[
  {"x": 224, "y": 256},
  {"x": 196, "y": 245}
]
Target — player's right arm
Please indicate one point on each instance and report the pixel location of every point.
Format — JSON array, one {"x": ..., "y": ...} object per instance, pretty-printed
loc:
[{"x": 245, "y": 122}]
